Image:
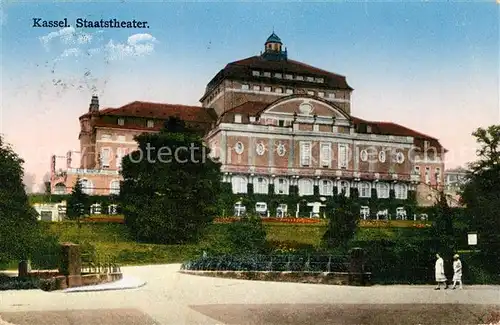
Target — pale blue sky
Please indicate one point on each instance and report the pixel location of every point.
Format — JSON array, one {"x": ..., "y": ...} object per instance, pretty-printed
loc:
[{"x": 429, "y": 66}]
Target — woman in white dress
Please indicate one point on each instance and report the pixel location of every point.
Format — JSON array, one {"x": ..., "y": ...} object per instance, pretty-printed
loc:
[
  {"x": 457, "y": 272},
  {"x": 440, "y": 276}
]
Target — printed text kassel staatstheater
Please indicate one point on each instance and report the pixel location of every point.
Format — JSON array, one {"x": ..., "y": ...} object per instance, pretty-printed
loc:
[{"x": 85, "y": 23}]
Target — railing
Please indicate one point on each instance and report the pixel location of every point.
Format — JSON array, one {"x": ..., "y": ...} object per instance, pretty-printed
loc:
[
  {"x": 92, "y": 264},
  {"x": 283, "y": 263}
]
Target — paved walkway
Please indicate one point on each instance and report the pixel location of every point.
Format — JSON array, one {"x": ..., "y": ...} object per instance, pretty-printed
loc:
[{"x": 173, "y": 298}]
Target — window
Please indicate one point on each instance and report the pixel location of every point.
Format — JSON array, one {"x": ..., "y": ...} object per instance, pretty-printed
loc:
[
  {"x": 289, "y": 76},
  {"x": 343, "y": 156},
  {"x": 260, "y": 185},
  {"x": 106, "y": 137},
  {"x": 331, "y": 95},
  {"x": 59, "y": 189},
  {"x": 268, "y": 89},
  {"x": 105, "y": 157},
  {"x": 400, "y": 191},
  {"x": 363, "y": 155},
  {"x": 256, "y": 88},
  {"x": 427, "y": 175},
  {"x": 310, "y": 93},
  {"x": 150, "y": 123},
  {"x": 417, "y": 170},
  {"x": 252, "y": 118},
  {"x": 326, "y": 187},
  {"x": 281, "y": 186},
  {"x": 438, "y": 175},
  {"x": 95, "y": 208},
  {"x": 400, "y": 157},
  {"x": 381, "y": 156},
  {"x": 320, "y": 80},
  {"x": 310, "y": 79},
  {"x": 114, "y": 187},
  {"x": 120, "y": 153},
  {"x": 87, "y": 186},
  {"x": 343, "y": 187},
  {"x": 278, "y": 75},
  {"x": 281, "y": 122},
  {"x": 306, "y": 187},
  {"x": 121, "y": 138},
  {"x": 326, "y": 154},
  {"x": 321, "y": 94},
  {"x": 237, "y": 118},
  {"x": 245, "y": 87},
  {"x": 121, "y": 121},
  {"x": 239, "y": 184},
  {"x": 382, "y": 190},
  {"x": 281, "y": 150},
  {"x": 364, "y": 189},
  {"x": 255, "y": 73},
  {"x": 305, "y": 153},
  {"x": 260, "y": 149},
  {"x": 279, "y": 90},
  {"x": 238, "y": 148},
  {"x": 289, "y": 91},
  {"x": 299, "y": 78},
  {"x": 267, "y": 74}
]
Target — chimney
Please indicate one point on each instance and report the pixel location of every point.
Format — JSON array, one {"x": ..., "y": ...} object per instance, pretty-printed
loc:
[{"x": 94, "y": 104}]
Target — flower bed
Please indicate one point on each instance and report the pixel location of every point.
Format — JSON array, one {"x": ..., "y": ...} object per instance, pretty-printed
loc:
[
  {"x": 392, "y": 223},
  {"x": 273, "y": 220}
]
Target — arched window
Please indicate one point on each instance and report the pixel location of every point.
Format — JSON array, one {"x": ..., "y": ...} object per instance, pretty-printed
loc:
[
  {"x": 87, "y": 186},
  {"x": 114, "y": 187},
  {"x": 281, "y": 186},
  {"x": 325, "y": 187},
  {"x": 382, "y": 190},
  {"x": 343, "y": 186},
  {"x": 306, "y": 187},
  {"x": 364, "y": 189},
  {"x": 60, "y": 188},
  {"x": 401, "y": 191},
  {"x": 260, "y": 185},
  {"x": 239, "y": 184}
]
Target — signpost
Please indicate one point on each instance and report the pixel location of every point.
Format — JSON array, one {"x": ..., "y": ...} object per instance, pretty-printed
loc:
[{"x": 472, "y": 240}]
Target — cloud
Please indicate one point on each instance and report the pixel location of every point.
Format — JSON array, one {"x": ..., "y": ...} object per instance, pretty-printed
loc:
[
  {"x": 136, "y": 45},
  {"x": 67, "y": 36},
  {"x": 71, "y": 52}
]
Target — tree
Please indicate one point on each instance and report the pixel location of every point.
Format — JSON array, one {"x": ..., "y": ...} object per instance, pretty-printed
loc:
[
  {"x": 343, "y": 219},
  {"x": 18, "y": 220},
  {"x": 78, "y": 202},
  {"x": 443, "y": 226},
  {"x": 481, "y": 192},
  {"x": 247, "y": 236},
  {"x": 170, "y": 188}
]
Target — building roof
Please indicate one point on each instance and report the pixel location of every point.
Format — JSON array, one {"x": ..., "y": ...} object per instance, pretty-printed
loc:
[
  {"x": 242, "y": 70},
  {"x": 159, "y": 111},
  {"x": 273, "y": 38}
]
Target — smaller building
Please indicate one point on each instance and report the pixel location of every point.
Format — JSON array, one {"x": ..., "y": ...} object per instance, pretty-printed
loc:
[{"x": 51, "y": 211}]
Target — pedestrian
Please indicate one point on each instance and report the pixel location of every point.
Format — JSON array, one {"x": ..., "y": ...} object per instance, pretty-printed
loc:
[
  {"x": 440, "y": 276},
  {"x": 457, "y": 272}
]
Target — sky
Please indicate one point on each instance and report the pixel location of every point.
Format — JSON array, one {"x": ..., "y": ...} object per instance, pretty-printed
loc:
[{"x": 433, "y": 66}]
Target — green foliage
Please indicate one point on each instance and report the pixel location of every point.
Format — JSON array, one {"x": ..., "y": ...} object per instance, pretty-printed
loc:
[
  {"x": 481, "y": 193},
  {"x": 15, "y": 283},
  {"x": 443, "y": 229},
  {"x": 78, "y": 202},
  {"x": 169, "y": 189},
  {"x": 18, "y": 221},
  {"x": 343, "y": 219}
]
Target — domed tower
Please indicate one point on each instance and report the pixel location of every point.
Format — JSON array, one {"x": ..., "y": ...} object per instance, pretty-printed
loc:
[{"x": 273, "y": 49}]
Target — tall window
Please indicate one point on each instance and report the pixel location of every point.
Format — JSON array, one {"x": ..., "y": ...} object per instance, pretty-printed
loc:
[
  {"x": 364, "y": 189},
  {"x": 281, "y": 186},
  {"x": 105, "y": 157},
  {"x": 279, "y": 90},
  {"x": 382, "y": 190},
  {"x": 151, "y": 123},
  {"x": 114, "y": 187},
  {"x": 257, "y": 88},
  {"x": 239, "y": 184},
  {"x": 326, "y": 154},
  {"x": 289, "y": 91},
  {"x": 120, "y": 153},
  {"x": 305, "y": 153},
  {"x": 401, "y": 191},
  {"x": 343, "y": 187},
  {"x": 268, "y": 89},
  {"x": 438, "y": 175},
  {"x": 245, "y": 87},
  {"x": 343, "y": 155},
  {"x": 121, "y": 121},
  {"x": 260, "y": 185},
  {"x": 427, "y": 175},
  {"x": 306, "y": 187},
  {"x": 326, "y": 187},
  {"x": 87, "y": 186}
]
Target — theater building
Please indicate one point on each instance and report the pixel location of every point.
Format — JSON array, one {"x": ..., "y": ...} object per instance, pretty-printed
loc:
[{"x": 269, "y": 120}]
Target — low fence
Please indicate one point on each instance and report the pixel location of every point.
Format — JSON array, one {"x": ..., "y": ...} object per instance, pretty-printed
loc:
[{"x": 283, "y": 263}]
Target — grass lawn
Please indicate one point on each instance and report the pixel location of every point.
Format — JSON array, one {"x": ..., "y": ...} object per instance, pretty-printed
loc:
[{"x": 112, "y": 240}]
